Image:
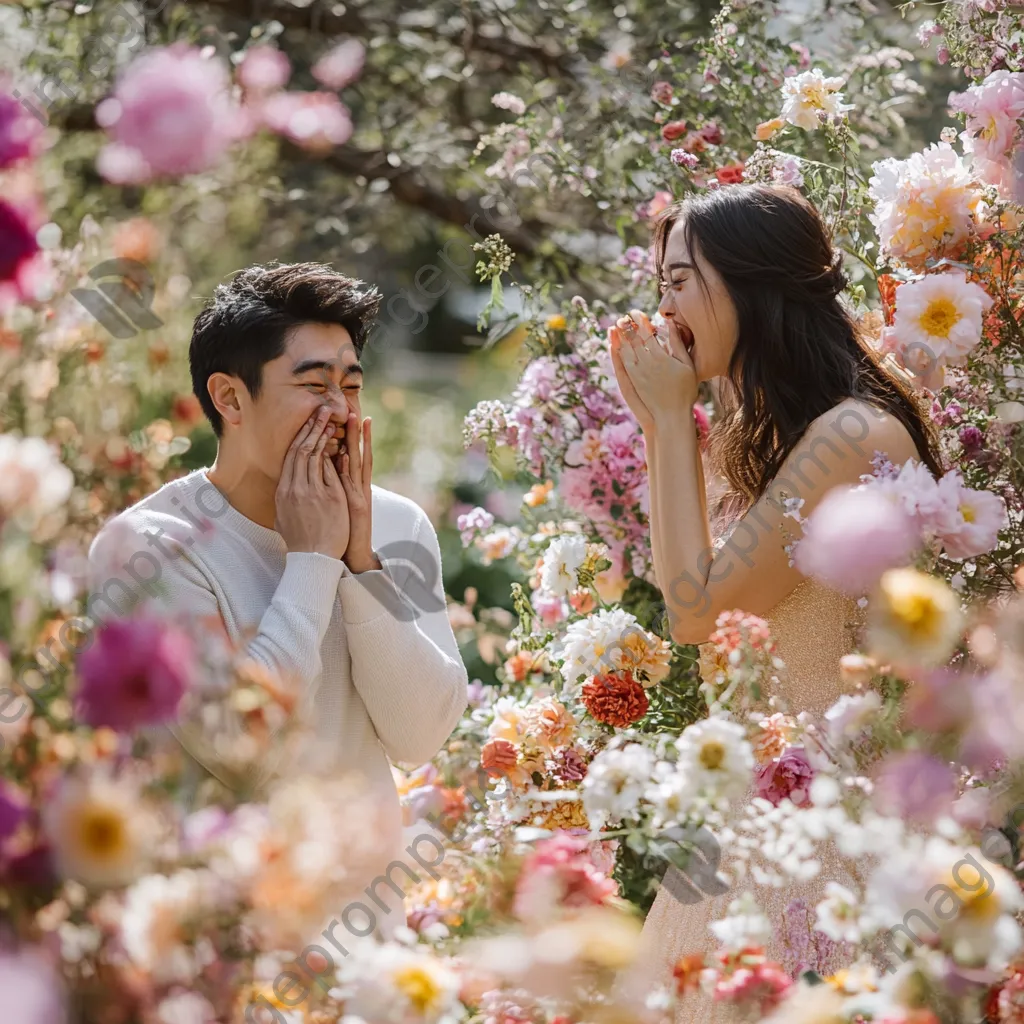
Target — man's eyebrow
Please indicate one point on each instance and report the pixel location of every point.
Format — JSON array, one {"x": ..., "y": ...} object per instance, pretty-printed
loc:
[{"x": 305, "y": 365}]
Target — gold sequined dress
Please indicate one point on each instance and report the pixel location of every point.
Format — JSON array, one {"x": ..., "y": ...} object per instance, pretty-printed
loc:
[{"x": 812, "y": 629}]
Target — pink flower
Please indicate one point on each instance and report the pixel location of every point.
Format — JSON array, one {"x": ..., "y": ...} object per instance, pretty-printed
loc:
[
  {"x": 33, "y": 993},
  {"x": 315, "y": 121},
  {"x": 135, "y": 674},
  {"x": 264, "y": 69},
  {"x": 853, "y": 536},
  {"x": 915, "y": 786},
  {"x": 18, "y": 245},
  {"x": 341, "y": 66},
  {"x": 170, "y": 115},
  {"x": 559, "y": 874},
  {"x": 969, "y": 521},
  {"x": 551, "y": 608},
  {"x": 19, "y": 132},
  {"x": 761, "y": 986},
  {"x": 661, "y": 201},
  {"x": 786, "y": 777},
  {"x": 711, "y": 133},
  {"x": 993, "y": 108}
]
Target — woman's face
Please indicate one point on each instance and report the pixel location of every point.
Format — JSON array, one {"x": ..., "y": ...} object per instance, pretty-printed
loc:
[{"x": 706, "y": 317}]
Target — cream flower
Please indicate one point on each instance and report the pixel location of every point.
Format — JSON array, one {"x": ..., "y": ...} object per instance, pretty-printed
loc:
[
  {"x": 33, "y": 480},
  {"x": 612, "y": 641},
  {"x": 938, "y": 321},
  {"x": 99, "y": 829},
  {"x": 549, "y": 722},
  {"x": 807, "y": 94},
  {"x": 915, "y": 619},
  {"x": 923, "y": 203}
]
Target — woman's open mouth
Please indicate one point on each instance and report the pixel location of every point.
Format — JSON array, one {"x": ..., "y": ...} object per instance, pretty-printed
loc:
[{"x": 687, "y": 335}]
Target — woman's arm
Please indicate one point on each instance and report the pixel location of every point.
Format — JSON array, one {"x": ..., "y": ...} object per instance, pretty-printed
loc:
[{"x": 752, "y": 570}]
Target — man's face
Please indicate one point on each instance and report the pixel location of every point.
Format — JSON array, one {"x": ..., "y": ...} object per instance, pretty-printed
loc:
[{"x": 319, "y": 367}]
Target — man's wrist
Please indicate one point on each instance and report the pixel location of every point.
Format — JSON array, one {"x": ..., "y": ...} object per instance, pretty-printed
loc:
[{"x": 366, "y": 562}]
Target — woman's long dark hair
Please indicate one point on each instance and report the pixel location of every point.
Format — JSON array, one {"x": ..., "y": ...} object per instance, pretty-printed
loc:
[{"x": 799, "y": 352}]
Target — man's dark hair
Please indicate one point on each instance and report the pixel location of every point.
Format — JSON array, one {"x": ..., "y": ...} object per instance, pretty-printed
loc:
[{"x": 247, "y": 322}]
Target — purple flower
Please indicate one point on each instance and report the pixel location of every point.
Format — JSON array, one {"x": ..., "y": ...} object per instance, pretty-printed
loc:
[
  {"x": 135, "y": 674},
  {"x": 971, "y": 438},
  {"x": 683, "y": 159},
  {"x": 19, "y": 132},
  {"x": 170, "y": 115},
  {"x": 915, "y": 786},
  {"x": 13, "y": 810},
  {"x": 17, "y": 242},
  {"x": 786, "y": 777}
]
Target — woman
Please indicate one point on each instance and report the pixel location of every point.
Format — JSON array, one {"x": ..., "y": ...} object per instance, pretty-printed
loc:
[{"x": 750, "y": 292}]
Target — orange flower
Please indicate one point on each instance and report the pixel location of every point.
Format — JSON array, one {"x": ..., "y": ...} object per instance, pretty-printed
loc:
[
  {"x": 887, "y": 286},
  {"x": 731, "y": 174},
  {"x": 615, "y": 699},
  {"x": 499, "y": 757},
  {"x": 687, "y": 972},
  {"x": 137, "y": 239},
  {"x": 186, "y": 410},
  {"x": 582, "y": 601}
]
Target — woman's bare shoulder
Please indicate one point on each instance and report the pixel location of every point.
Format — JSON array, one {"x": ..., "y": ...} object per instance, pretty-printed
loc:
[{"x": 856, "y": 424}]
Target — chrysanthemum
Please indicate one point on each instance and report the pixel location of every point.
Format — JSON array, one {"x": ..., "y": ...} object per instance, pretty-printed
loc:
[
  {"x": 914, "y": 619},
  {"x": 923, "y": 204},
  {"x": 613, "y": 640},
  {"x": 716, "y": 759},
  {"x": 98, "y": 829},
  {"x": 938, "y": 321},
  {"x": 807, "y": 94},
  {"x": 562, "y": 559}
]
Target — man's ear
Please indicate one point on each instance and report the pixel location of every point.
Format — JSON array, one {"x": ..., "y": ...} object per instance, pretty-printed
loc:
[{"x": 224, "y": 392}]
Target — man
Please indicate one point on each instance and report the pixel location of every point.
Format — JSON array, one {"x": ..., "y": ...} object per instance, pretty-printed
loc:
[{"x": 327, "y": 581}]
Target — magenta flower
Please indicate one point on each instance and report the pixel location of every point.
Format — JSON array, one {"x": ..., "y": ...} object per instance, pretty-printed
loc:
[
  {"x": 560, "y": 874},
  {"x": 341, "y": 66},
  {"x": 315, "y": 121},
  {"x": 171, "y": 115},
  {"x": 264, "y": 69},
  {"x": 915, "y": 786},
  {"x": 14, "y": 810},
  {"x": 18, "y": 246},
  {"x": 19, "y": 132},
  {"x": 788, "y": 776},
  {"x": 853, "y": 536},
  {"x": 134, "y": 674}
]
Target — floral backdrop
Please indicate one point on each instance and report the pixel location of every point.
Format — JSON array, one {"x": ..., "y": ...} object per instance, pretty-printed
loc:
[{"x": 522, "y": 150}]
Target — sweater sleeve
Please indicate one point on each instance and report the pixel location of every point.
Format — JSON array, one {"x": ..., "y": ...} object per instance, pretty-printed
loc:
[
  {"x": 406, "y": 664},
  {"x": 288, "y": 639}
]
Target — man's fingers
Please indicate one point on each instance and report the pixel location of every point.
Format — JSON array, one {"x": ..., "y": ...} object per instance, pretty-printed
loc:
[
  {"x": 314, "y": 470},
  {"x": 352, "y": 444},
  {"x": 291, "y": 457},
  {"x": 367, "y": 455}
]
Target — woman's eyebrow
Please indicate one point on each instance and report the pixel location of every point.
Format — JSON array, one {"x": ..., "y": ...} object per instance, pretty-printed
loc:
[{"x": 680, "y": 265}]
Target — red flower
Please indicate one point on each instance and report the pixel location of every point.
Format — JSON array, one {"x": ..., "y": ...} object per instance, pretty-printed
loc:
[
  {"x": 731, "y": 174},
  {"x": 887, "y": 286},
  {"x": 673, "y": 130},
  {"x": 616, "y": 699}
]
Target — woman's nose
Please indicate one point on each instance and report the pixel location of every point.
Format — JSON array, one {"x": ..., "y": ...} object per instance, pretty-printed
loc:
[{"x": 665, "y": 306}]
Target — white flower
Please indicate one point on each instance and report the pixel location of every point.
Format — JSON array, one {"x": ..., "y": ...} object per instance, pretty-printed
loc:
[
  {"x": 185, "y": 1008},
  {"x": 498, "y": 544},
  {"x": 938, "y": 321},
  {"x": 33, "y": 480},
  {"x": 806, "y": 94},
  {"x": 715, "y": 759},
  {"x": 392, "y": 984},
  {"x": 563, "y": 558},
  {"x": 851, "y": 715},
  {"x": 509, "y": 101},
  {"x": 612, "y": 641},
  {"x": 837, "y": 914},
  {"x": 154, "y": 926},
  {"x": 616, "y": 781},
  {"x": 744, "y": 925}
]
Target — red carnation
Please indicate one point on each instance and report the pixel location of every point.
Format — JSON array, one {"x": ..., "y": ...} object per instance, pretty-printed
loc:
[
  {"x": 673, "y": 130},
  {"x": 616, "y": 699}
]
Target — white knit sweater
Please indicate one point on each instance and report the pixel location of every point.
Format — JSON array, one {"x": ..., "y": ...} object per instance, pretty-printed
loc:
[{"x": 373, "y": 654}]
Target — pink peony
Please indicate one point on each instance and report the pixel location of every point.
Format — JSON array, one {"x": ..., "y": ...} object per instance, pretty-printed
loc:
[
  {"x": 969, "y": 521},
  {"x": 786, "y": 777},
  {"x": 316, "y": 121},
  {"x": 135, "y": 674},
  {"x": 264, "y": 69},
  {"x": 560, "y": 874},
  {"x": 915, "y": 786},
  {"x": 170, "y": 115},
  {"x": 853, "y": 536},
  {"x": 19, "y": 132},
  {"x": 341, "y": 66}
]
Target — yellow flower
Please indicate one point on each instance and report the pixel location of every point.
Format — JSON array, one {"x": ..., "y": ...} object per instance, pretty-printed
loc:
[
  {"x": 566, "y": 814},
  {"x": 556, "y": 322},
  {"x": 915, "y": 619},
  {"x": 420, "y": 986}
]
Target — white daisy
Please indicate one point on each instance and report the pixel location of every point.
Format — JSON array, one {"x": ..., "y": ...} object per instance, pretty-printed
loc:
[
  {"x": 616, "y": 781},
  {"x": 562, "y": 559},
  {"x": 715, "y": 759}
]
